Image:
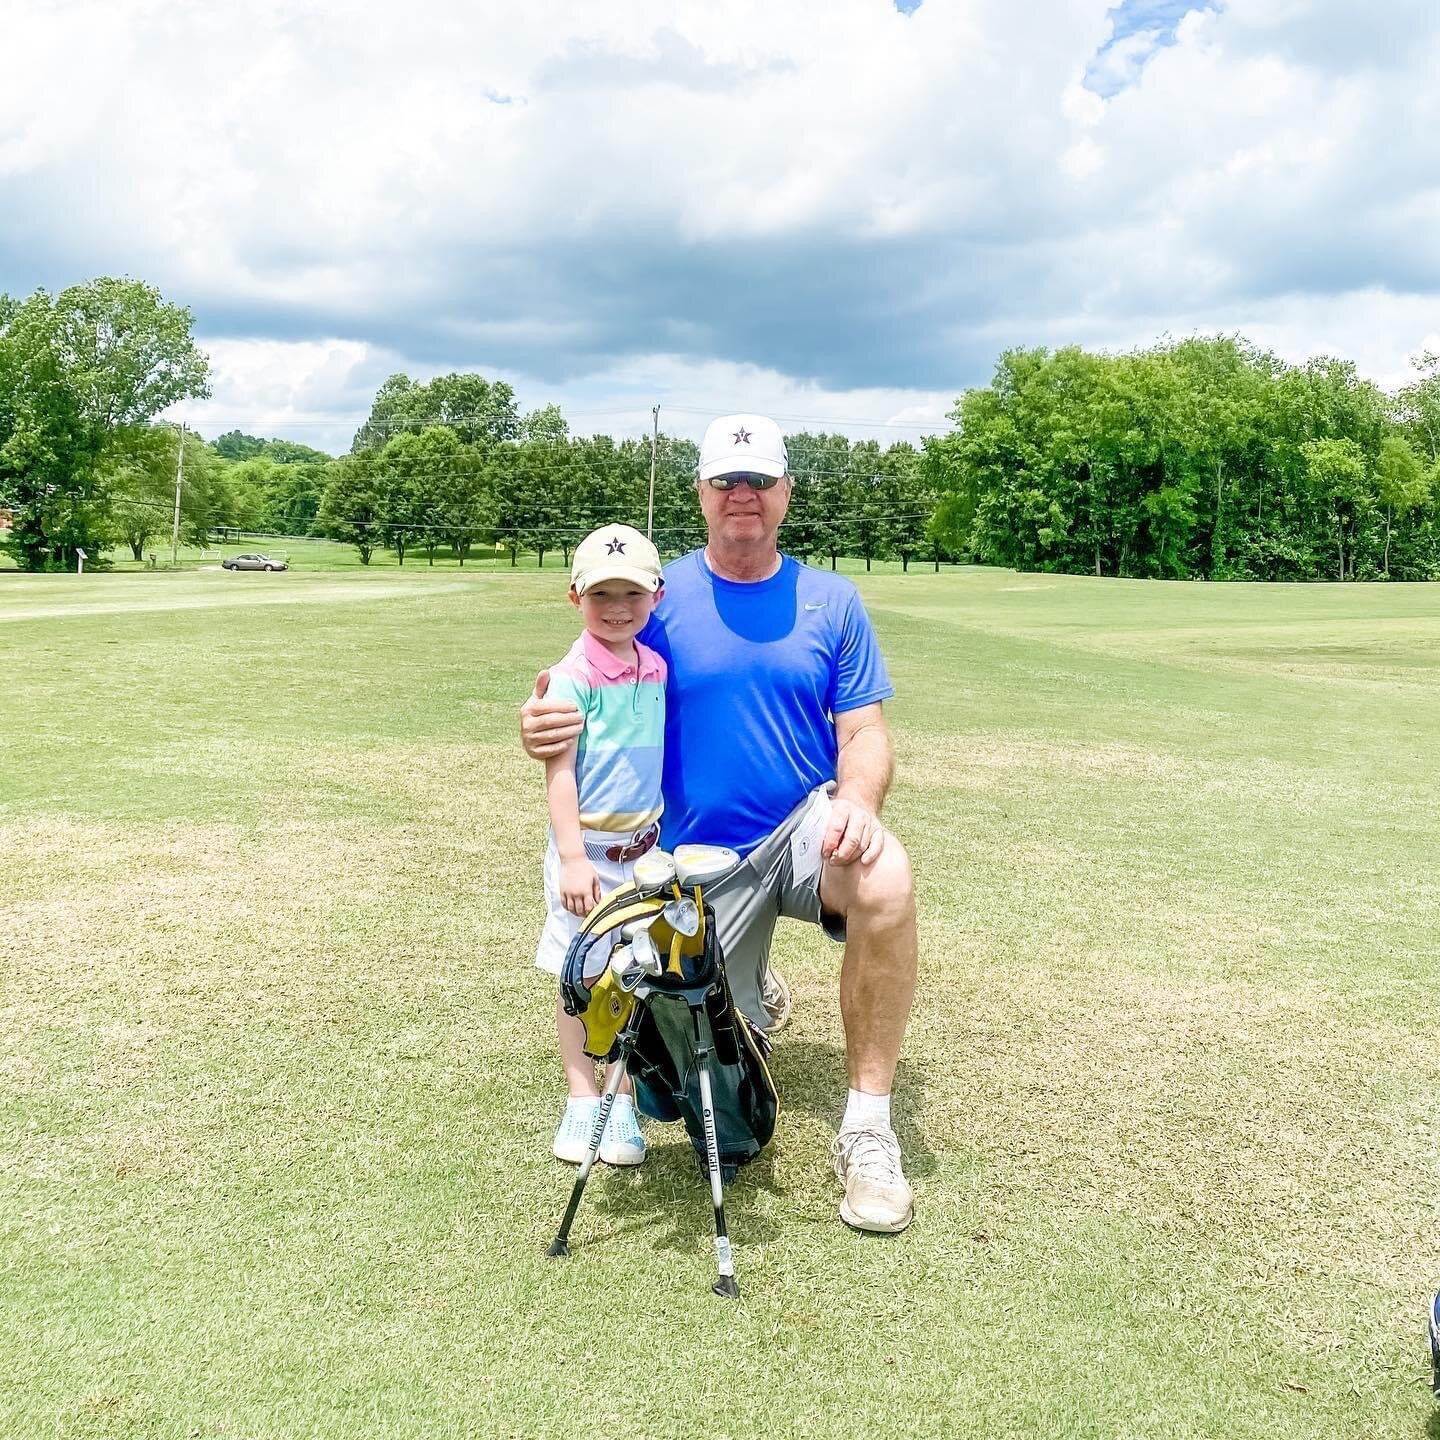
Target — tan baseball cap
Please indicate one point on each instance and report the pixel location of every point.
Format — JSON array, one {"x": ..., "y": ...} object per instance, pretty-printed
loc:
[{"x": 615, "y": 552}]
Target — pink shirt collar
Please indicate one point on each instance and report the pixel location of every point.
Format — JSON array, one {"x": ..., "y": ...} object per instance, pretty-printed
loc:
[{"x": 612, "y": 667}]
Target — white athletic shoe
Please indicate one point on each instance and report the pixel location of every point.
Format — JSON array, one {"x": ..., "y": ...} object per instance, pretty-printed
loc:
[
  {"x": 623, "y": 1143},
  {"x": 867, "y": 1162},
  {"x": 775, "y": 997},
  {"x": 572, "y": 1139}
]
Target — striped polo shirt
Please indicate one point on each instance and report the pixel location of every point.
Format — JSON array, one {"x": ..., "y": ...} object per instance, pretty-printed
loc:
[{"x": 617, "y": 763}]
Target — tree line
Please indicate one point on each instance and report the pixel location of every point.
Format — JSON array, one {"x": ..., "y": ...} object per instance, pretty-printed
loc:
[
  {"x": 1202, "y": 458},
  {"x": 453, "y": 463}
]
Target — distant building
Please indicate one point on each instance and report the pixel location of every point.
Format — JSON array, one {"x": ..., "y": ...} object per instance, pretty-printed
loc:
[{"x": 5, "y": 521}]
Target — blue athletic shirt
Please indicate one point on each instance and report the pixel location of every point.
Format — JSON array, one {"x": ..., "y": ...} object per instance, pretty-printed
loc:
[{"x": 757, "y": 673}]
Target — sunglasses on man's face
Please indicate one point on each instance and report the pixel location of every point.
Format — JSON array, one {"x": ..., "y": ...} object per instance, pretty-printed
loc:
[{"x": 755, "y": 482}]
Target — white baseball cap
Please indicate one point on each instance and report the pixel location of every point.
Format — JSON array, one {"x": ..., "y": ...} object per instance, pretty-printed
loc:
[
  {"x": 615, "y": 552},
  {"x": 743, "y": 444}
]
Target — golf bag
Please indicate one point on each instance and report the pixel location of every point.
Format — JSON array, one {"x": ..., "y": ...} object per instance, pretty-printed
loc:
[
  {"x": 686, "y": 1010},
  {"x": 662, "y": 1012}
]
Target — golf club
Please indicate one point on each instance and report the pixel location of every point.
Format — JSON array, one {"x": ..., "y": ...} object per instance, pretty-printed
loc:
[
  {"x": 653, "y": 872},
  {"x": 683, "y": 916}
]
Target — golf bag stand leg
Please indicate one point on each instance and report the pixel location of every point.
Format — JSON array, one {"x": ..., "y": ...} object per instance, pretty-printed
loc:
[
  {"x": 725, "y": 1285},
  {"x": 560, "y": 1245}
]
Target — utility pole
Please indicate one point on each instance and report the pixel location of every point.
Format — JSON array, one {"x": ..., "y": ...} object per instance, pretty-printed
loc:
[
  {"x": 179, "y": 476},
  {"x": 654, "y": 441}
]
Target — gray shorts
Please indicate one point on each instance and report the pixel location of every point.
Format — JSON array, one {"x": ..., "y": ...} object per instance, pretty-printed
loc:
[{"x": 781, "y": 876}]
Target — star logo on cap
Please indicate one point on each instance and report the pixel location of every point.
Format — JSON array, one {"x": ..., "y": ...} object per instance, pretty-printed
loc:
[
  {"x": 615, "y": 547},
  {"x": 742, "y": 436}
]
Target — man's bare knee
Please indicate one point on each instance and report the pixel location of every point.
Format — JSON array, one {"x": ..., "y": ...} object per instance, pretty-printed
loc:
[{"x": 880, "y": 893}]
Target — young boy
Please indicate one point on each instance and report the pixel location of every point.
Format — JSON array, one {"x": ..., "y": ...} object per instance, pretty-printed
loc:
[{"x": 603, "y": 793}]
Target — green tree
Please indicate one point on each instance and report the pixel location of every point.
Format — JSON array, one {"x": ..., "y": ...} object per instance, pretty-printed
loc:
[
  {"x": 477, "y": 410},
  {"x": 546, "y": 425},
  {"x": 137, "y": 477},
  {"x": 236, "y": 445},
  {"x": 1401, "y": 484},
  {"x": 818, "y": 467},
  {"x": 248, "y": 485},
  {"x": 1339, "y": 477},
  {"x": 407, "y": 489},
  {"x": 678, "y": 523},
  {"x": 75, "y": 370},
  {"x": 910, "y": 498},
  {"x": 42, "y": 441},
  {"x": 433, "y": 489},
  {"x": 466, "y": 478},
  {"x": 293, "y": 499},
  {"x": 1186, "y": 459},
  {"x": 275, "y": 485},
  {"x": 873, "y": 502},
  {"x": 1419, "y": 404},
  {"x": 353, "y": 506}
]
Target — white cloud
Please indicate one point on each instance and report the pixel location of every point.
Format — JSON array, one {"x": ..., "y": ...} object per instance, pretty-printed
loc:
[
  {"x": 318, "y": 392},
  {"x": 830, "y": 207}
]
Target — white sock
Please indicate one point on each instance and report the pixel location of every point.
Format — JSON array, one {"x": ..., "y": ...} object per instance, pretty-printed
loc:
[{"x": 864, "y": 1111}]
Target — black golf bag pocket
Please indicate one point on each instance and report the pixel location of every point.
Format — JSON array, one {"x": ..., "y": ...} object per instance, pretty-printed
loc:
[{"x": 667, "y": 1086}]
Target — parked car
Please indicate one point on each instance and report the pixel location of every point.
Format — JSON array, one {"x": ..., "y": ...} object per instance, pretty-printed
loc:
[{"x": 253, "y": 562}]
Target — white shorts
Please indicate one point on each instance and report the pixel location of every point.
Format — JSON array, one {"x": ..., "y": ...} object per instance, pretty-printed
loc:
[{"x": 561, "y": 926}]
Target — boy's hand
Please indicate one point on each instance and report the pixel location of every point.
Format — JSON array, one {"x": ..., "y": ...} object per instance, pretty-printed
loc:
[
  {"x": 548, "y": 727},
  {"x": 579, "y": 886}
]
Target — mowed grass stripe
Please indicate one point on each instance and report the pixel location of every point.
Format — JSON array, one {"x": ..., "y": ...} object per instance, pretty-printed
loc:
[{"x": 278, "y": 1087}]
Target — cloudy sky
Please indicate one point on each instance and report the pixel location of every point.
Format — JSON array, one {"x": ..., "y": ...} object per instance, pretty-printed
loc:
[{"x": 839, "y": 212}]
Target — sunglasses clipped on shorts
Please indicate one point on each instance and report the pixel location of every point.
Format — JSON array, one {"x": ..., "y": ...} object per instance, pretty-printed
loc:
[{"x": 743, "y": 477}]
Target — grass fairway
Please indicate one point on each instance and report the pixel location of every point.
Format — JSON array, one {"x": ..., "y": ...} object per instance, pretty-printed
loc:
[{"x": 277, "y": 1080}]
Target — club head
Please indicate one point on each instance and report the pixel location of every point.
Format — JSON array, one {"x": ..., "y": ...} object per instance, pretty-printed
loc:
[
  {"x": 623, "y": 962},
  {"x": 646, "y": 954},
  {"x": 683, "y": 916},
  {"x": 702, "y": 864},
  {"x": 654, "y": 871}
]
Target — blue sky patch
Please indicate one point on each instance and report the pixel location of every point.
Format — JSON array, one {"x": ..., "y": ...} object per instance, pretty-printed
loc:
[
  {"x": 1140, "y": 28},
  {"x": 908, "y": 7}
]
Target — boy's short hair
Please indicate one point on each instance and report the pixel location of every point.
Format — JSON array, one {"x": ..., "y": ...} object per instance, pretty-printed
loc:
[{"x": 615, "y": 552}]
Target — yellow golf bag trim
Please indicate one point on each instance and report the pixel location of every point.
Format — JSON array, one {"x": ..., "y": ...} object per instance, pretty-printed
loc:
[{"x": 604, "y": 1007}]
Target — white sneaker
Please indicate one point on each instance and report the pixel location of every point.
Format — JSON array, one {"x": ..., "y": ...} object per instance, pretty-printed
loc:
[
  {"x": 775, "y": 997},
  {"x": 867, "y": 1162},
  {"x": 623, "y": 1143},
  {"x": 572, "y": 1139}
]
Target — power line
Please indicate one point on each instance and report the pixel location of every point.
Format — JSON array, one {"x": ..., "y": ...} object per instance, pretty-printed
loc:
[
  {"x": 406, "y": 423},
  {"x": 826, "y": 419},
  {"x": 617, "y": 465},
  {"x": 571, "y": 527}
]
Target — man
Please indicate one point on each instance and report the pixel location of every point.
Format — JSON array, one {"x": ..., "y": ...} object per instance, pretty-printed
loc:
[{"x": 776, "y": 745}]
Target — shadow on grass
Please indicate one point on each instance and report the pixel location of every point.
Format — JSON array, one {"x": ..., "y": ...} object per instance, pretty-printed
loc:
[
  {"x": 810, "y": 1076},
  {"x": 672, "y": 1193},
  {"x": 668, "y": 1199}
]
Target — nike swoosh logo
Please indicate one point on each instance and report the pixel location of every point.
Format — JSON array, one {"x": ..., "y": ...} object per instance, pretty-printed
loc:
[{"x": 820, "y": 606}]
